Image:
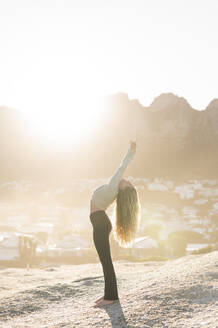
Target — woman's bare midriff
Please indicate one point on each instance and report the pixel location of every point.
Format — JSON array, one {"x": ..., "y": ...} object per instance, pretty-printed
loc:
[{"x": 93, "y": 208}]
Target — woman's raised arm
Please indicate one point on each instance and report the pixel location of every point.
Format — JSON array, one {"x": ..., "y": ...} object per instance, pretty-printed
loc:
[{"x": 115, "y": 179}]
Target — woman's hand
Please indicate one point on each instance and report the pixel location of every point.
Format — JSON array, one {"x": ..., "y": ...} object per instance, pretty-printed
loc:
[{"x": 133, "y": 146}]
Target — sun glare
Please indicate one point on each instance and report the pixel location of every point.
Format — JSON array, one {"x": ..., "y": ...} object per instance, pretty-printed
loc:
[{"x": 65, "y": 126}]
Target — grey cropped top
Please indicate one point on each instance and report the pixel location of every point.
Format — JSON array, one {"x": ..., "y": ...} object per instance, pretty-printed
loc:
[{"x": 104, "y": 195}]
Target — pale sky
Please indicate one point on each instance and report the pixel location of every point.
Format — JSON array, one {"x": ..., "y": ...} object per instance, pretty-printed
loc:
[{"x": 58, "y": 54}]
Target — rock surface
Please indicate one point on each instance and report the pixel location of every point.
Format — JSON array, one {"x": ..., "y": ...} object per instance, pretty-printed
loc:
[{"x": 179, "y": 293}]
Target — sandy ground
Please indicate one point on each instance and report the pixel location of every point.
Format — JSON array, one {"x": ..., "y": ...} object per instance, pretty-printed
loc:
[{"x": 177, "y": 293}]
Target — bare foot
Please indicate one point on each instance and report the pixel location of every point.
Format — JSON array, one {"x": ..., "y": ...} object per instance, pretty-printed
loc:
[
  {"x": 104, "y": 302},
  {"x": 99, "y": 299}
]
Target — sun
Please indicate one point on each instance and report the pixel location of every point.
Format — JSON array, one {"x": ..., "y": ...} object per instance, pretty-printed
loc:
[{"x": 65, "y": 126}]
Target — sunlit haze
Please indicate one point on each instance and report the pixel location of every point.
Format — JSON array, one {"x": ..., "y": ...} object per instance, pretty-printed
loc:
[
  {"x": 109, "y": 157},
  {"x": 59, "y": 57},
  {"x": 67, "y": 124}
]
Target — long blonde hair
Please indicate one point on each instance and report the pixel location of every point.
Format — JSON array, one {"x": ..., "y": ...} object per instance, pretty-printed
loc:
[{"x": 127, "y": 216}]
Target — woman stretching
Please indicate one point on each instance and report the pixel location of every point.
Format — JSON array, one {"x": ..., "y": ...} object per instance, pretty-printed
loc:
[{"x": 127, "y": 218}]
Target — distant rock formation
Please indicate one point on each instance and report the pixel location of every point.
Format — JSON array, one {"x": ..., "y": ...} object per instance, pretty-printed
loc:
[
  {"x": 173, "y": 140},
  {"x": 168, "y": 116}
]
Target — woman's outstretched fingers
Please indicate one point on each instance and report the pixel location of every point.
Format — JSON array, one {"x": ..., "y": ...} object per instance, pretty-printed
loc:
[{"x": 133, "y": 146}]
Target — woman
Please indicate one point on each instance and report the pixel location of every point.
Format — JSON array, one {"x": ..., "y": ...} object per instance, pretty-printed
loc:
[{"x": 127, "y": 214}]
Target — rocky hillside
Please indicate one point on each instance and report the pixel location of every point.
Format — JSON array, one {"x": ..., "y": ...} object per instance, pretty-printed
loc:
[
  {"x": 174, "y": 294},
  {"x": 173, "y": 140},
  {"x": 169, "y": 118}
]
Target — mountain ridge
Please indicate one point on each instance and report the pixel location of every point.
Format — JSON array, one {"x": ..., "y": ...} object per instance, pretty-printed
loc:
[
  {"x": 212, "y": 103},
  {"x": 172, "y": 138}
]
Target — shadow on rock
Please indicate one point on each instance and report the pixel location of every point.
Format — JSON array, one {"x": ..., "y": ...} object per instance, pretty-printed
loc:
[{"x": 35, "y": 299}]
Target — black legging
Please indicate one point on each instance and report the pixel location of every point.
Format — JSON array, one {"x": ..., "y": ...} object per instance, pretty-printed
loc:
[{"x": 101, "y": 231}]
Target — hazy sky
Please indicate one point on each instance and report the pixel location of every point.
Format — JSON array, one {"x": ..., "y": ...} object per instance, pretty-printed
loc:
[{"x": 56, "y": 54}]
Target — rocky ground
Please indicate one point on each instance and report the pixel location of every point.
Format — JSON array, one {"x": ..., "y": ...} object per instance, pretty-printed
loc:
[{"x": 177, "y": 293}]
